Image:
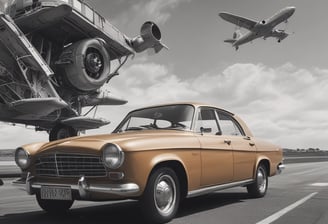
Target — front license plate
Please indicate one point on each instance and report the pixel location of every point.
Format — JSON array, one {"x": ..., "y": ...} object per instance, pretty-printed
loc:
[{"x": 56, "y": 193}]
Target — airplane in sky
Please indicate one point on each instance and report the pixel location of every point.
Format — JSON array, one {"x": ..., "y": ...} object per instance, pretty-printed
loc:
[
  {"x": 257, "y": 29},
  {"x": 54, "y": 58}
]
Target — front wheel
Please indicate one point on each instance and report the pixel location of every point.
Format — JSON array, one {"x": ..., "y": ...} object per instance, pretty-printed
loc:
[
  {"x": 259, "y": 188},
  {"x": 54, "y": 206},
  {"x": 161, "y": 197}
]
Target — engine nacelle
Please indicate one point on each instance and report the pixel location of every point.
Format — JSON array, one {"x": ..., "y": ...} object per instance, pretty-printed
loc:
[
  {"x": 263, "y": 22},
  {"x": 150, "y": 37},
  {"x": 85, "y": 65}
]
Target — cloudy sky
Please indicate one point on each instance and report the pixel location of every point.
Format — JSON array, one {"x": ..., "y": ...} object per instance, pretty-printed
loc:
[{"x": 279, "y": 89}]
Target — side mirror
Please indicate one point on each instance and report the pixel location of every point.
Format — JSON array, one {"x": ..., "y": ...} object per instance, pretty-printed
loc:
[{"x": 205, "y": 130}]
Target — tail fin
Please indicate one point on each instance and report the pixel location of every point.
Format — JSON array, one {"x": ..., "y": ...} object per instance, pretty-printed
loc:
[{"x": 235, "y": 36}]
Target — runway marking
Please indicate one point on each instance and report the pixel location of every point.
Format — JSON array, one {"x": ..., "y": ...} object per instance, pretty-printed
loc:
[
  {"x": 7, "y": 163},
  {"x": 320, "y": 184},
  {"x": 282, "y": 212}
]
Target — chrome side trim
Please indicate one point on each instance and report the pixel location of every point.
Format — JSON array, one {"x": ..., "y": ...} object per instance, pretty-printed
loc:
[{"x": 211, "y": 189}]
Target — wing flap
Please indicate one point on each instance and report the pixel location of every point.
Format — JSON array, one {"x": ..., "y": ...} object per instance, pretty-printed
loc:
[
  {"x": 238, "y": 20},
  {"x": 38, "y": 107}
]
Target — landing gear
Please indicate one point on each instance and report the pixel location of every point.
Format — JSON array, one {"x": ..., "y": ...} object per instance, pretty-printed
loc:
[
  {"x": 61, "y": 131},
  {"x": 279, "y": 40},
  {"x": 1, "y": 182}
]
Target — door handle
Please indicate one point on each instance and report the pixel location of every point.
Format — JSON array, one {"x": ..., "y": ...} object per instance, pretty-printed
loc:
[
  {"x": 251, "y": 143},
  {"x": 227, "y": 141}
]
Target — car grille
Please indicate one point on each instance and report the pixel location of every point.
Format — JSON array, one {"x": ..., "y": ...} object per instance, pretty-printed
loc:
[{"x": 70, "y": 165}]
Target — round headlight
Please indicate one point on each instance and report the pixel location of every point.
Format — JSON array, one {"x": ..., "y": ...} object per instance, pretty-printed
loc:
[
  {"x": 22, "y": 158},
  {"x": 113, "y": 156}
]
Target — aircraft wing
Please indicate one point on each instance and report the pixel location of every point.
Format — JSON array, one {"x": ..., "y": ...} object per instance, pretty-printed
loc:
[
  {"x": 238, "y": 20},
  {"x": 85, "y": 123},
  {"x": 279, "y": 34}
]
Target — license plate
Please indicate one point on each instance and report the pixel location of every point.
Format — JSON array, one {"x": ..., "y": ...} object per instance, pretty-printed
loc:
[{"x": 56, "y": 193}]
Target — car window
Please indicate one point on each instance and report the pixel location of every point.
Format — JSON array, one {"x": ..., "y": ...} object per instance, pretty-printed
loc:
[
  {"x": 177, "y": 117},
  {"x": 228, "y": 125},
  {"x": 207, "y": 122}
]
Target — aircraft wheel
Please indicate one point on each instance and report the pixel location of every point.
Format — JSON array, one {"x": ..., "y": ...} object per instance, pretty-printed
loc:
[
  {"x": 90, "y": 65},
  {"x": 62, "y": 131}
]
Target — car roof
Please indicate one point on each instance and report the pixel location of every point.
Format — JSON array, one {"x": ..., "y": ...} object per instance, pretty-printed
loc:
[{"x": 195, "y": 104}]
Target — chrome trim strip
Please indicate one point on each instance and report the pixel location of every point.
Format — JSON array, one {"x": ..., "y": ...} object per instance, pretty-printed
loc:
[{"x": 211, "y": 189}]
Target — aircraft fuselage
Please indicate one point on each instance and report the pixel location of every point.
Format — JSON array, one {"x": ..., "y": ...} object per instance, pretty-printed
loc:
[{"x": 266, "y": 27}]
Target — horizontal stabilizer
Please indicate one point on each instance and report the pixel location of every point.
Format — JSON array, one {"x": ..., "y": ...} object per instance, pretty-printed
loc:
[
  {"x": 231, "y": 41},
  {"x": 85, "y": 123},
  {"x": 39, "y": 107},
  {"x": 159, "y": 46}
]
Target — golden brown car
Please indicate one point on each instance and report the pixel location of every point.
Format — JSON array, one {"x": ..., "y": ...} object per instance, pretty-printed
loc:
[{"x": 158, "y": 155}]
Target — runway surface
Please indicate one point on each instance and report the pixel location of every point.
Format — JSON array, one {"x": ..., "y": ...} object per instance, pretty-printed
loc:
[{"x": 299, "y": 195}]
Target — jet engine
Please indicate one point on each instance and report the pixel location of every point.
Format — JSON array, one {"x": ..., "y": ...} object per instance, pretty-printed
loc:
[
  {"x": 85, "y": 65},
  {"x": 150, "y": 37},
  {"x": 263, "y": 22}
]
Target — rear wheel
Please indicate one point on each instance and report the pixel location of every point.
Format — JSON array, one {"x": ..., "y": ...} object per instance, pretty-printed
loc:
[
  {"x": 54, "y": 206},
  {"x": 259, "y": 188},
  {"x": 161, "y": 197}
]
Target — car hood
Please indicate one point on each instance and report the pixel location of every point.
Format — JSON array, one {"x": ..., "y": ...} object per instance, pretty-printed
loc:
[{"x": 128, "y": 141}]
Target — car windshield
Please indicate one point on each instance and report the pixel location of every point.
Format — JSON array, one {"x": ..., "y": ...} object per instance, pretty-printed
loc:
[{"x": 177, "y": 117}]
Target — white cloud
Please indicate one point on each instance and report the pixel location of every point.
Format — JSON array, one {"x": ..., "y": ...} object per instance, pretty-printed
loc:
[
  {"x": 286, "y": 105},
  {"x": 158, "y": 11}
]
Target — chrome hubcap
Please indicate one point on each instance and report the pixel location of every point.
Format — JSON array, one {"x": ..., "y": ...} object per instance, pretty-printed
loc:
[
  {"x": 261, "y": 180},
  {"x": 165, "y": 194},
  {"x": 93, "y": 63}
]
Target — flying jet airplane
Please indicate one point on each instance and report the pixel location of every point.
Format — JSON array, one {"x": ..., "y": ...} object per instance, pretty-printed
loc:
[
  {"x": 264, "y": 28},
  {"x": 55, "y": 55}
]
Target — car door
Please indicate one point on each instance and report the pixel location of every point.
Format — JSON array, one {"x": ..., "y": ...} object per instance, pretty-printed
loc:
[
  {"x": 244, "y": 150},
  {"x": 216, "y": 151}
]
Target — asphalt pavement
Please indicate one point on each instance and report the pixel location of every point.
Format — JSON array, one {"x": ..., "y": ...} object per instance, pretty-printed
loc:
[{"x": 299, "y": 195}]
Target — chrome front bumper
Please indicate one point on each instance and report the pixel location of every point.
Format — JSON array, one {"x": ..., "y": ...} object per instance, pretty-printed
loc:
[
  {"x": 82, "y": 186},
  {"x": 280, "y": 168}
]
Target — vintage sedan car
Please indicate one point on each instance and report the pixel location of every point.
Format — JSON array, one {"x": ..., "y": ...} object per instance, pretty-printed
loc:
[{"x": 158, "y": 155}]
